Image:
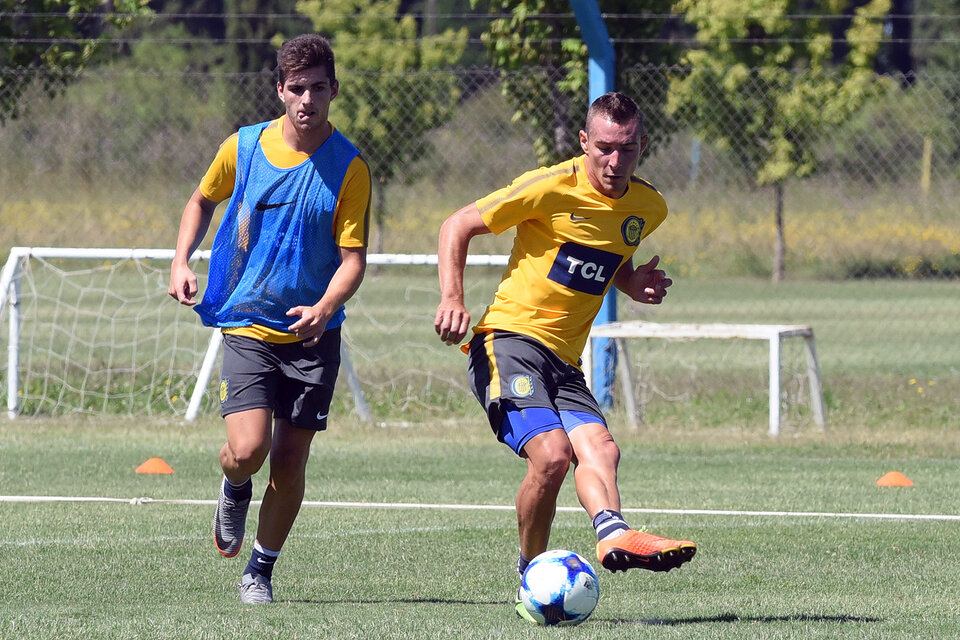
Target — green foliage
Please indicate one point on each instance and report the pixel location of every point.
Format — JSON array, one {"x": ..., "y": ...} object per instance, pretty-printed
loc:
[
  {"x": 212, "y": 35},
  {"x": 751, "y": 54},
  {"x": 894, "y": 125},
  {"x": 947, "y": 266},
  {"x": 63, "y": 41},
  {"x": 383, "y": 106},
  {"x": 532, "y": 35},
  {"x": 106, "y": 135},
  {"x": 553, "y": 101},
  {"x": 778, "y": 80},
  {"x": 934, "y": 28},
  {"x": 252, "y": 27}
]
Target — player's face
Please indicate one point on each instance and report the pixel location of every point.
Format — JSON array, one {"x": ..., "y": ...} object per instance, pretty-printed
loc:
[
  {"x": 612, "y": 152},
  {"x": 307, "y": 95}
]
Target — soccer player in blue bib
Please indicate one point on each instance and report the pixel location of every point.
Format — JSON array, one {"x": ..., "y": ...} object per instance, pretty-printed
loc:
[
  {"x": 578, "y": 224},
  {"x": 289, "y": 252}
]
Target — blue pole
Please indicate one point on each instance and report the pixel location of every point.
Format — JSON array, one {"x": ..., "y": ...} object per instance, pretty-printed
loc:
[{"x": 602, "y": 80}]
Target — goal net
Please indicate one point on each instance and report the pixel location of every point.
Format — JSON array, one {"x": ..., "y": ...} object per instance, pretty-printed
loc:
[{"x": 94, "y": 331}]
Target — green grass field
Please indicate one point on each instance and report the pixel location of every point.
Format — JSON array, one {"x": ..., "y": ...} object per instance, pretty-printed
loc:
[
  {"x": 117, "y": 570},
  {"x": 700, "y": 467}
]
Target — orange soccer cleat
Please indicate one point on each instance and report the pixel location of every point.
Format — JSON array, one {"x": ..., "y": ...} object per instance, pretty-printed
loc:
[{"x": 638, "y": 550}]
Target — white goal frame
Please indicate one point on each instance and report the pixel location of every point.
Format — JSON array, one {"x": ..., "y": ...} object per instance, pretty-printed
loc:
[
  {"x": 774, "y": 334},
  {"x": 10, "y": 297}
]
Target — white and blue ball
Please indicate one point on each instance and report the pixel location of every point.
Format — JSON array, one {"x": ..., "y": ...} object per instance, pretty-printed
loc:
[{"x": 559, "y": 588}]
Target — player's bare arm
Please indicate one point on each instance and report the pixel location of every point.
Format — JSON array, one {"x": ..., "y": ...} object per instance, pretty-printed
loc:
[
  {"x": 644, "y": 283},
  {"x": 193, "y": 226},
  {"x": 312, "y": 320},
  {"x": 453, "y": 320}
]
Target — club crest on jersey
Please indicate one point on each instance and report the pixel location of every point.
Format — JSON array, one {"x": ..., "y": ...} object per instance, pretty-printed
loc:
[
  {"x": 224, "y": 390},
  {"x": 585, "y": 269},
  {"x": 521, "y": 386},
  {"x": 632, "y": 229}
]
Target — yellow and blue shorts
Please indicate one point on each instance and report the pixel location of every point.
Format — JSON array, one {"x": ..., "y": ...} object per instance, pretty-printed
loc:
[{"x": 526, "y": 389}]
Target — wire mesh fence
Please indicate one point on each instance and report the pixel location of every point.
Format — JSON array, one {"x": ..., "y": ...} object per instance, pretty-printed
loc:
[
  {"x": 109, "y": 157},
  {"x": 120, "y": 151}
]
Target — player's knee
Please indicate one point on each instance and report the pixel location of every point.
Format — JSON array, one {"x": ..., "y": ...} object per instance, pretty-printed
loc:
[
  {"x": 555, "y": 470},
  {"x": 607, "y": 451},
  {"x": 248, "y": 455},
  {"x": 597, "y": 448},
  {"x": 552, "y": 459}
]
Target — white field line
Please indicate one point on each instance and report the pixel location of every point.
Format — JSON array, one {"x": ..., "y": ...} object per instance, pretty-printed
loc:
[
  {"x": 496, "y": 507},
  {"x": 324, "y": 535}
]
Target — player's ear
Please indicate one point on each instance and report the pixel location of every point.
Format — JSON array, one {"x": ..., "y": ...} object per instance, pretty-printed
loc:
[
  {"x": 583, "y": 140},
  {"x": 334, "y": 89},
  {"x": 644, "y": 141},
  {"x": 280, "y": 91}
]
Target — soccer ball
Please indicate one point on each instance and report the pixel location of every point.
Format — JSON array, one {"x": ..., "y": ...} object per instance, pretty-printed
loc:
[{"x": 559, "y": 588}]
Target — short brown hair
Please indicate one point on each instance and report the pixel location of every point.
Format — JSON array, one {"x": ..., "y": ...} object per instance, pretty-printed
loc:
[
  {"x": 616, "y": 106},
  {"x": 305, "y": 52}
]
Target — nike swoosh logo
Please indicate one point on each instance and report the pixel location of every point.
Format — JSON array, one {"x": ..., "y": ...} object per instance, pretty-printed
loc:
[
  {"x": 263, "y": 206},
  {"x": 578, "y": 218},
  {"x": 321, "y": 416}
]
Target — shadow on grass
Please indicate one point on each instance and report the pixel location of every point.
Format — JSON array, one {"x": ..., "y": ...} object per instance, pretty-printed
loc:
[
  {"x": 498, "y": 603},
  {"x": 732, "y": 617}
]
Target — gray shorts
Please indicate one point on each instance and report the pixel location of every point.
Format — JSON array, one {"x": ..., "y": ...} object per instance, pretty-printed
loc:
[
  {"x": 509, "y": 370},
  {"x": 293, "y": 381}
]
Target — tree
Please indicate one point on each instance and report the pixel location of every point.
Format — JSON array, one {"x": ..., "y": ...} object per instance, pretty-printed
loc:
[
  {"x": 543, "y": 35},
  {"x": 390, "y": 97},
  {"x": 765, "y": 82},
  {"x": 933, "y": 46},
  {"x": 60, "y": 36}
]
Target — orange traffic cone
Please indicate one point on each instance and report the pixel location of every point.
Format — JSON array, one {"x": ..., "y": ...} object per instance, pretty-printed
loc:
[
  {"x": 894, "y": 479},
  {"x": 154, "y": 465}
]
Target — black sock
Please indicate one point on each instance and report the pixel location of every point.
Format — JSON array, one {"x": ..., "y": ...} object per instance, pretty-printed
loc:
[
  {"x": 238, "y": 492},
  {"x": 522, "y": 564},
  {"x": 261, "y": 561}
]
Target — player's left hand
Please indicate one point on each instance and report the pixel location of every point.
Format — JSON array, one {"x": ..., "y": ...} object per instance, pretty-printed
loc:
[
  {"x": 649, "y": 284},
  {"x": 310, "y": 326}
]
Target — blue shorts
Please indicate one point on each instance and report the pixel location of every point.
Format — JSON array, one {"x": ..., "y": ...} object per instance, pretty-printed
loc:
[
  {"x": 519, "y": 425},
  {"x": 526, "y": 389}
]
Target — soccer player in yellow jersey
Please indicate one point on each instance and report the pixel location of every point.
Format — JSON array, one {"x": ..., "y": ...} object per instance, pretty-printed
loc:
[
  {"x": 290, "y": 250},
  {"x": 578, "y": 224}
]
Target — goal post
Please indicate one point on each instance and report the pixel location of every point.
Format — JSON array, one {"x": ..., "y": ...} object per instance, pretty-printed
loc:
[
  {"x": 93, "y": 330},
  {"x": 89, "y": 261}
]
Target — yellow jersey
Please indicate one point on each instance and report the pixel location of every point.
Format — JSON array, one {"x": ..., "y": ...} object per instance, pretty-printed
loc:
[{"x": 570, "y": 241}]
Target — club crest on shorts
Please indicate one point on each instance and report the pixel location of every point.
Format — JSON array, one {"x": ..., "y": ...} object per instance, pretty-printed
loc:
[
  {"x": 521, "y": 386},
  {"x": 224, "y": 390},
  {"x": 632, "y": 229}
]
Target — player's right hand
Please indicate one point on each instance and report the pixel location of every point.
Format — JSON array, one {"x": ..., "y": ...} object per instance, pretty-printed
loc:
[{"x": 452, "y": 322}]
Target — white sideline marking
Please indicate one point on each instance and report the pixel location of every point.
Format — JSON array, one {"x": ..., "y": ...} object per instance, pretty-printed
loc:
[
  {"x": 497, "y": 507},
  {"x": 325, "y": 535}
]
